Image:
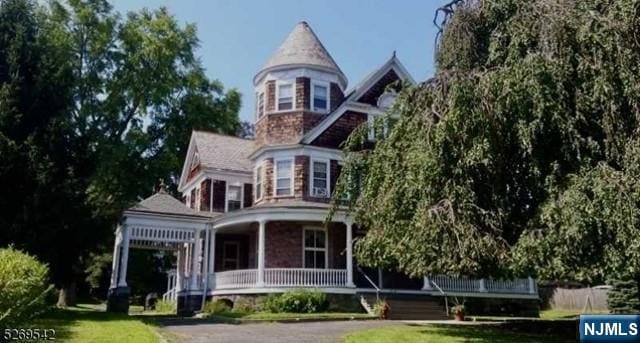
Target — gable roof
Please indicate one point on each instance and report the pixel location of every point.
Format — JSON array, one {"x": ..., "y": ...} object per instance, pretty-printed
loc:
[
  {"x": 223, "y": 152},
  {"x": 218, "y": 152},
  {"x": 163, "y": 203},
  {"x": 356, "y": 92},
  {"x": 302, "y": 48}
]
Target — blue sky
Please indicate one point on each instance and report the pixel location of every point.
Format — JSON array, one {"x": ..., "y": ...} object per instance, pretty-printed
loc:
[{"x": 238, "y": 36}]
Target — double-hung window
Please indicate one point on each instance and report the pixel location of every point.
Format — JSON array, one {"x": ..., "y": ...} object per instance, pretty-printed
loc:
[
  {"x": 234, "y": 197},
  {"x": 320, "y": 98},
  {"x": 284, "y": 177},
  {"x": 315, "y": 248},
  {"x": 285, "y": 96},
  {"x": 319, "y": 178},
  {"x": 258, "y": 183}
]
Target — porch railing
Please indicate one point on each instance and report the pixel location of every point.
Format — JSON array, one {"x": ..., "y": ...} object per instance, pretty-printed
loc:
[
  {"x": 459, "y": 285},
  {"x": 305, "y": 277},
  {"x": 281, "y": 277},
  {"x": 243, "y": 278},
  {"x": 170, "y": 295}
]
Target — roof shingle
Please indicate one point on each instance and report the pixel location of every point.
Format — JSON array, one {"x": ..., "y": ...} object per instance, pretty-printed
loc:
[{"x": 223, "y": 152}]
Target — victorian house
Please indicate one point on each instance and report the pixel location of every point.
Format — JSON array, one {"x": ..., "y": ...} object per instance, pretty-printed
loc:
[{"x": 251, "y": 220}]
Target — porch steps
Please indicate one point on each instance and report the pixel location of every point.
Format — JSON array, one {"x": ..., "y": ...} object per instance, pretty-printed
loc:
[
  {"x": 410, "y": 307},
  {"x": 366, "y": 306}
]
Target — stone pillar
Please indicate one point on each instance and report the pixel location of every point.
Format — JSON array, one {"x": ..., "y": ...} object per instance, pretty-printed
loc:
[
  {"x": 261, "y": 238},
  {"x": 350, "y": 254}
]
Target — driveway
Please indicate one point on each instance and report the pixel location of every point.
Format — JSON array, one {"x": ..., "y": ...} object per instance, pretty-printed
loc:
[{"x": 269, "y": 332}]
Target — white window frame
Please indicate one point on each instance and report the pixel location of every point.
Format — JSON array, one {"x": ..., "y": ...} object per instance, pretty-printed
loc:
[
  {"x": 371, "y": 130},
  {"x": 325, "y": 249},
  {"x": 275, "y": 177},
  {"x": 292, "y": 83},
  {"x": 260, "y": 107},
  {"x": 258, "y": 171},
  {"x": 226, "y": 195},
  {"x": 224, "y": 250},
  {"x": 312, "y": 178},
  {"x": 312, "y": 91}
]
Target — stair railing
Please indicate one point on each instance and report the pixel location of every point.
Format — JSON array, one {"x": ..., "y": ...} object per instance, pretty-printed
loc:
[
  {"x": 446, "y": 302},
  {"x": 371, "y": 282}
]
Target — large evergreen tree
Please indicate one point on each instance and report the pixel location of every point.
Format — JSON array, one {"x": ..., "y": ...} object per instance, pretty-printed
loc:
[{"x": 519, "y": 155}]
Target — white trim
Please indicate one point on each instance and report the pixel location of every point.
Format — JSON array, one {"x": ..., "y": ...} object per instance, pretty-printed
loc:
[
  {"x": 325, "y": 249},
  {"x": 187, "y": 163},
  {"x": 198, "y": 199},
  {"x": 279, "y": 84},
  {"x": 244, "y": 177},
  {"x": 327, "y": 86},
  {"x": 259, "y": 169},
  {"x": 275, "y": 177},
  {"x": 312, "y": 185},
  {"x": 284, "y": 151},
  {"x": 301, "y": 70}
]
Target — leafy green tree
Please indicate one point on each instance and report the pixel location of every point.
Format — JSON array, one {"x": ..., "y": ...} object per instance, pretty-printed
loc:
[
  {"x": 519, "y": 156},
  {"x": 94, "y": 108}
]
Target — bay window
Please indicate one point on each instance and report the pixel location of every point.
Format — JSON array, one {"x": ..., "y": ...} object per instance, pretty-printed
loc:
[
  {"x": 234, "y": 197},
  {"x": 284, "y": 177},
  {"x": 319, "y": 178}
]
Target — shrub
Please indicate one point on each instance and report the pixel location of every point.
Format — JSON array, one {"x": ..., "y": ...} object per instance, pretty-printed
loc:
[
  {"x": 24, "y": 287},
  {"x": 623, "y": 297},
  {"x": 243, "y": 305},
  {"x": 298, "y": 301},
  {"x": 165, "y": 306},
  {"x": 216, "y": 307}
]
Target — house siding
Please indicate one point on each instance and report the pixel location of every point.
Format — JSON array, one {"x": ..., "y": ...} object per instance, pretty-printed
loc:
[{"x": 340, "y": 130}]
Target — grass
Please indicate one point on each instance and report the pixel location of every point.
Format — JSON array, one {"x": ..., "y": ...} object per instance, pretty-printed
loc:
[
  {"x": 89, "y": 323},
  {"x": 268, "y": 316},
  {"x": 440, "y": 334},
  {"x": 565, "y": 314}
]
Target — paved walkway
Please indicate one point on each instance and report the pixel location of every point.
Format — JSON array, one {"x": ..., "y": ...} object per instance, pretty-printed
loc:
[{"x": 324, "y": 332}]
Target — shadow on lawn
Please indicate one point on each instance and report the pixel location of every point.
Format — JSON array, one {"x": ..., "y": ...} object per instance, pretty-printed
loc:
[{"x": 495, "y": 333}]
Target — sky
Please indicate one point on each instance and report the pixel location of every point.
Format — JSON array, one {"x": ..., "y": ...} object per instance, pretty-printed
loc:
[{"x": 238, "y": 36}]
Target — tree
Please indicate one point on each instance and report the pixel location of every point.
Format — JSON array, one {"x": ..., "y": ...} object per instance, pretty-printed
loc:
[
  {"x": 530, "y": 99},
  {"x": 94, "y": 108}
]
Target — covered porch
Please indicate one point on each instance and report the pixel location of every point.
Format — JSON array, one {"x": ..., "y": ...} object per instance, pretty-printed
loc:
[{"x": 270, "y": 249}]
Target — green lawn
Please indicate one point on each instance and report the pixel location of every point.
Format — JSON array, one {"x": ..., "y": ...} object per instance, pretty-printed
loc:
[
  {"x": 89, "y": 323},
  {"x": 440, "y": 334}
]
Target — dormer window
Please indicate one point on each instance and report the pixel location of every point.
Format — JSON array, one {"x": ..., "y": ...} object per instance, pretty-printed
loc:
[
  {"x": 285, "y": 96},
  {"x": 386, "y": 100},
  {"x": 320, "y": 96}
]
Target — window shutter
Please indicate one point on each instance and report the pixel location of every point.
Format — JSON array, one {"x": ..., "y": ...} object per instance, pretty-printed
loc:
[
  {"x": 248, "y": 195},
  {"x": 219, "y": 189}
]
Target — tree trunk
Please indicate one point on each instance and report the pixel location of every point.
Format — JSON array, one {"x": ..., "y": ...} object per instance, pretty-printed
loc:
[{"x": 67, "y": 295}]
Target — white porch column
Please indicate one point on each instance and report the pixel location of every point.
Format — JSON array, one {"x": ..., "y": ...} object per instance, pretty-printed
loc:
[
  {"x": 195, "y": 253},
  {"x": 212, "y": 259},
  {"x": 125, "y": 257},
  {"x": 205, "y": 261},
  {"x": 180, "y": 268},
  {"x": 115, "y": 264},
  {"x": 350, "y": 254},
  {"x": 261, "y": 238}
]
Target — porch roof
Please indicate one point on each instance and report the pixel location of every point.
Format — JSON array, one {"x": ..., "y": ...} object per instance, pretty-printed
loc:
[{"x": 163, "y": 203}]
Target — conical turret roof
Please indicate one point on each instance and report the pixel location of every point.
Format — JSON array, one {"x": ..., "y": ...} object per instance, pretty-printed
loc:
[{"x": 302, "y": 48}]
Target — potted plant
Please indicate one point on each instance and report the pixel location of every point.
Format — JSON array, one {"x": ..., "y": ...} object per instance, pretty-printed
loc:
[
  {"x": 382, "y": 309},
  {"x": 458, "y": 312}
]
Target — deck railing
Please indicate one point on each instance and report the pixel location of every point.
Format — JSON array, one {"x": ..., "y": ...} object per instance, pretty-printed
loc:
[{"x": 460, "y": 285}]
